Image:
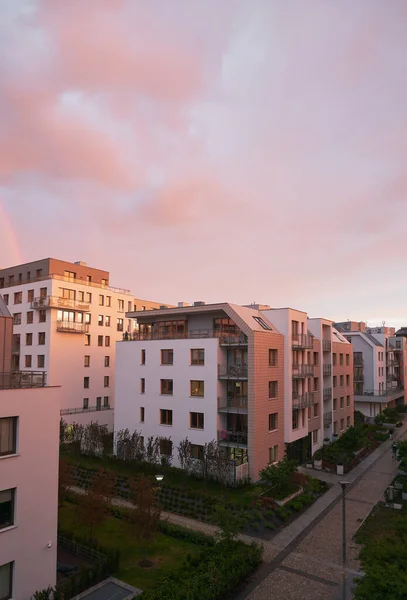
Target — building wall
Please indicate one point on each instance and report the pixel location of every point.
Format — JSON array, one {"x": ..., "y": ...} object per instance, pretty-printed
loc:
[
  {"x": 315, "y": 413},
  {"x": 6, "y": 336},
  {"x": 342, "y": 415},
  {"x": 34, "y": 473}
]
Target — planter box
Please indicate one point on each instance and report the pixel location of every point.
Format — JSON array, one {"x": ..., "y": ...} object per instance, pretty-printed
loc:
[
  {"x": 318, "y": 465},
  {"x": 398, "y": 486},
  {"x": 339, "y": 469},
  {"x": 295, "y": 495},
  {"x": 308, "y": 465}
]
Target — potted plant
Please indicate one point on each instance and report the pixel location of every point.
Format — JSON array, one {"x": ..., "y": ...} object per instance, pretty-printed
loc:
[
  {"x": 318, "y": 460},
  {"x": 339, "y": 469}
]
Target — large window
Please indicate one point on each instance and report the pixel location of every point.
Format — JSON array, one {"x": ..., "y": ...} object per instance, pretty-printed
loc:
[
  {"x": 165, "y": 416},
  {"x": 41, "y": 338},
  {"x": 225, "y": 325},
  {"x": 273, "y": 389},
  {"x": 100, "y": 320},
  {"x": 100, "y": 340},
  {"x": 273, "y": 421},
  {"x": 107, "y": 361},
  {"x": 296, "y": 419},
  {"x": 166, "y": 386},
  {"x": 167, "y": 357},
  {"x": 28, "y": 339},
  {"x": 273, "y": 357},
  {"x": 143, "y": 357},
  {"x": 196, "y": 420},
  {"x": 8, "y": 435},
  {"x": 198, "y": 388},
  {"x": 197, "y": 356},
  {"x": 119, "y": 324},
  {"x": 273, "y": 454},
  {"x": 86, "y": 382},
  {"x": 197, "y": 451},
  {"x": 41, "y": 361},
  {"x": 86, "y": 360},
  {"x": 28, "y": 361},
  {"x": 17, "y": 318},
  {"x": 165, "y": 447},
  {"x": 262, "y": 323},
  {"x": 18, "y": 297},
  {"x": 142, "y": 412},
  {"x": 6, "y": 581},
  {"x": 7, "y": 508},
  {"x": 30, "y": 317}
]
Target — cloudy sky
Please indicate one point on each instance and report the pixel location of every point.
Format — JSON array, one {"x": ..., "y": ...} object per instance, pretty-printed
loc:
[{"x": 211, "y": 149}]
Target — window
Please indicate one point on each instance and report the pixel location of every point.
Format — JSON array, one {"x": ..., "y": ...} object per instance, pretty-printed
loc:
[
  {"x": 30, "y": 317},
  {"x": 342, "y": 424},
  {"x": 273, "y": 454},
  {"x": 88, "y": 278},
  {"x": 41, "y": 361},
  {"x": 100, "y": 320},
  {"x": 196, "y": 451},
  {"x": 106, "y": 381},
  {"x": 81, "y": 296},
  {"x": 107, "y": 321},
  {"x": 197, "y": 388},
  {"x": 262, "y": 323},
  {"x": 341, "y": 360},
  {"x": 347, "y": 421},
  {"x": 107, "y": 361},
  {"x": 336, "y": 427},
  {"x": 86, "y": 361},
  {"x": 316, "y": 384},
  {"x": 398, "y": 344},
  {"x": 11, "y": 279},
  {"x": 167, "y": 357},
  {"x": 316, "y": 409},
  {"x": 108, "y": 301},
  {"x": 8, "y": 435},
  {"x": 197, "y": 356},
  {"x": 5, "y": 298},
  {"x": 273, "y": 389},
  {"x": 28, "y": 339},
  {"x": 7, "y": 508},
  {"x": 141, "y": 414},
  {"x": 347, "y": 400},
  {"x": 106, "y": 401},
  {"x": 88, "y": 318},
  {"x": 88, "y": 297},
  {"x": 28, "y": 361},
  {"x": 295, "y": 419},
  {"x": 20, "y": 277},
  {"x": 342, "y": 402},
  {"x": 100, "y": 340},
  {"x": 99, "y": 403},
  {"x": 378, "y": 369},
  {"x": 87, "y": 339},
  {"x": 347, "y": 379},
  {"x": 41, "y": 338},
  {"x": 196, "y": 420},
  {"x": 17, "y": 318},
  {"x": 70, "y": 275},
  {"x": 334, "y": 380},
  {"x": 316, "y": 359},
  {"x": 43, "y": 292},
  {"x": 85, "y": 403},
  {"x": 315, "y": 436},
  {"x": 86, "y": 382},
  {"x": 347, "y": 360},
  {"x": 120, "y": 305},
  {"x": 42, "y": 316},
  {"x": 6, "y": 581},
  {"x": 18, "y": 297},
  {"x": 334, "y": 358},
  {"x": 165, "y": 417},
  {"x": 107, "y": 340},
  {"x": 28, "y": 275},
  {"x": 119, "y": 324},
  {"x": 101, "y": 300},
  {"x": 335, "y": 403},
  {"x": 341, "y": 380},
  {"x": 142, "y": 386},
  {"x": 143, "y": 357},
  {"x": 273, "y": 357},
  {"x": 273, "y": 421},
  {"x": 166, "y": 386},
  {"x": 165, "y": 447}
]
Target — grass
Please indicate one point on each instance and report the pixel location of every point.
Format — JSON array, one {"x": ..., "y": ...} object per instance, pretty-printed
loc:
[
  {"x": 382, "y": 523},
  {"x": 164, "y": 552}
]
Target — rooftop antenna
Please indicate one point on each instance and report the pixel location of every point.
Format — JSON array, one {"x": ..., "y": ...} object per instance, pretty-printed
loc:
[{"x": 383, "y": 323}]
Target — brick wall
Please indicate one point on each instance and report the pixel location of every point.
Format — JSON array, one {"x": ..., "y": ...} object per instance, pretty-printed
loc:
[{"x": 342, "y": 391}]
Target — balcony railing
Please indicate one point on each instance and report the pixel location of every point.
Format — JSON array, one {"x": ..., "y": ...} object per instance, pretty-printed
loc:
[
  {"x": 225, "y": 338},
  {"x": 302, "y": 340},
  {"x": 389, "y": 392},
  {"x": 75, "y": 411},
  {"x": 232, "y": 371},
  {"x": 327, "y": 394},
  {"x": 68, "y": 280},
  {"x": 233, "y": 438},
  {"x": 23, "y": 379},
  {"x": 233, "y": 403},
  {"x": 301, "y": 371},
  {"x": 62, "y": 303},
  {"x": 357, "y": 361},
  {"x": 327, "y": 370},
  {"x": 303, "y": 401},
  {"x": 358, "y": 378},
  {"x": 69, "y": 327},
  {"x": 326, "y": 345},
  {"x": 327, "y": 419},
  {"x": 391, "y": 363}
]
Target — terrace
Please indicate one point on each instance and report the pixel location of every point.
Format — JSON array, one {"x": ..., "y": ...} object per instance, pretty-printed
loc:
[{"x": 23, "y": 379}]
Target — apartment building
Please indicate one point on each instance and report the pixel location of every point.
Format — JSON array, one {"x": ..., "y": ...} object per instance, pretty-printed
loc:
[
  {"x": 250, "y": 377},
  {"x": 28, "y": 475},
  {"x": 380, "y": 359},
  {"x": 67, "y": 319}
]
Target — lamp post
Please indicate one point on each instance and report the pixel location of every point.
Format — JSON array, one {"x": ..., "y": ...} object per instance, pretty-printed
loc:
[
  {"x": 159, "y": 478},
  {"x": 344, "y": 485}
]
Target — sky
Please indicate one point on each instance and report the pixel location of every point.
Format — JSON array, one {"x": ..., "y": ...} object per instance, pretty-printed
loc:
[{"x": 211, "y": 150}]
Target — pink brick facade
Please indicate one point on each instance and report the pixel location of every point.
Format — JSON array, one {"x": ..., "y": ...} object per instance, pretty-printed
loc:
[{"x": 342, "y": 391}]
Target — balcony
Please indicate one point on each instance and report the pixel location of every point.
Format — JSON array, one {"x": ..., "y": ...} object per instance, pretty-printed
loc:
[
  {"x": 225, "y": 338},
  {"x": 232, "y": 438},
  {"x": 326, "y": 345},
  {"x": 327, "y": 419},
  {"x": 22, "y": 379},
  {"x": 70, "y": 327},
  {"x": 391, "y": 363},
  {"x": 75, "y": 411},
  {"x": 232, "y": 371},
  {"x": 303, "y": 401},
  {"x": 357, "y": 360},
  {"x": 327, "y": 370},
  {"x": 61, "y": 303},
  {"x": 378, "y": 396},
  {"x": 233, "y": 404},
  {"x": 327, "y": 394},
  {"x": 303, "y": 341},
  {"x": 302, "y": 371},
  {"x": 358, "y": 378}
]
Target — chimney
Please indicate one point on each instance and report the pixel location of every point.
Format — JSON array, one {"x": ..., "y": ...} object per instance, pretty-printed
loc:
[
  {"x": 182, "y": 304},
  {"x": 199, "y": 303}
]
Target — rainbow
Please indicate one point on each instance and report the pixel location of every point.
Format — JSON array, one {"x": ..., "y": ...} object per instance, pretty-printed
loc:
[{"x": 9, "y": 247}]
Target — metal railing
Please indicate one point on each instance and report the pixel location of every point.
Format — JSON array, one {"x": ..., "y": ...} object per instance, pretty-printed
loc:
[
  {"x": 233, "y": 402},
  {"x": 357, "y": 361},
  {"x": 302, "y": 340},
  {"x": 392, "y": 363},
  {"x": 224, "y": 337},
  {"x": 326, "y": 345},
  {"x": 303, "y": 401},
  {"x": 327, "y": 419},
  {"x": 69, "y": 327},
  {"x": 390, "y": 391},
  {"x": 69, "y": 280},
  {"x": 301, "y": 371},
  {"x": 23, "y": 379},
  {"x": 327, "y": 369},
  {"x": 75, "y": 411},
  {"x": 56, "y": 302},
  {"x": 327, "y": 394},
  {"x": 232, "y": 437},
  {"x": 358, "y": 378},
  {"x": 232, "y": 371}
]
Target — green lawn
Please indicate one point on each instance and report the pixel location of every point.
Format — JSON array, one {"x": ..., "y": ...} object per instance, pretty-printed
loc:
[{"x": 164, "y": 552}]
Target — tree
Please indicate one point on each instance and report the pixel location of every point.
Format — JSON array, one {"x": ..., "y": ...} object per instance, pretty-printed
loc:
[
  {"x": 166, "y": 451},
  {"x": 153, "y": 450},
  {"x": 184, "y": 454},
  {"x": 75, "y": 433},
  {"x": 279, "y": 476},
  {"x": 94, "y": 504},
  {"x": 227, "y": 522},
  {"x": 62, "y": 431},
  {"x": 145, "y": 515},
  {"x": 129, "y": 446},
  {"x": 222, "y": 467},
  {"x": 65, "y": 481}
]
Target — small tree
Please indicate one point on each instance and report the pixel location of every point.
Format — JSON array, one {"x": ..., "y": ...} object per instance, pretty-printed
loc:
[
  {"x": 166, "y": 451},
  {"x": 65, "y": 481},
  {"x": 145, "y": 515},
  {"x": 62, "y": 431},
  {"x": 227, "y": 522},
  {"x": 279, "y": 476},
  {"x": 222, "y": 466},
  {"x": 94, "y": 504},
  {"x": 184, "y": 454},
  {"x": 153, "y": 450},
  {"x": 75, "y": 434}
]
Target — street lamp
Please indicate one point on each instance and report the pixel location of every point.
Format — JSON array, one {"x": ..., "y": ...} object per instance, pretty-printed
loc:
[
  {"x": 344, "y": 485},
  {"x": 159, "y": 478}
]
